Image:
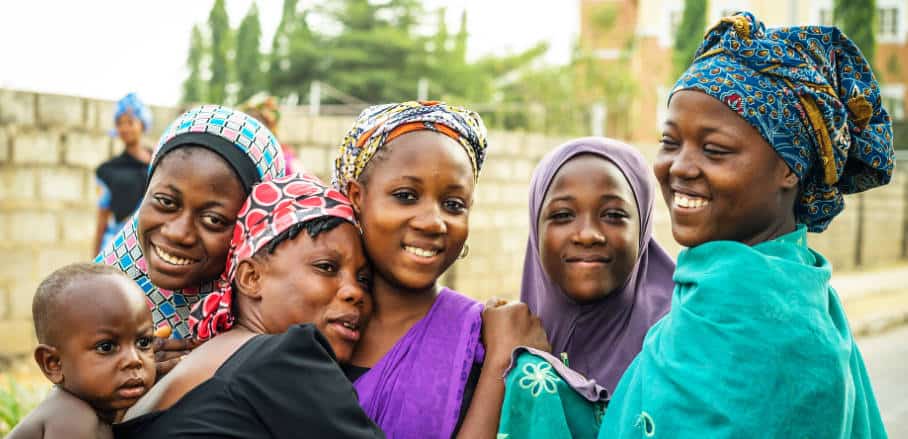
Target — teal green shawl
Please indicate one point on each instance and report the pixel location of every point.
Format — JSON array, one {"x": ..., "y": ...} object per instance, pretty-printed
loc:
[{"x": 756, "y": 345}]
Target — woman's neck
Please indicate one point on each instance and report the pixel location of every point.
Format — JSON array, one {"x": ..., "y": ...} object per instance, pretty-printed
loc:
[
  {"x": 138, "y": 152},
  {"x": 396, "y": 304}
]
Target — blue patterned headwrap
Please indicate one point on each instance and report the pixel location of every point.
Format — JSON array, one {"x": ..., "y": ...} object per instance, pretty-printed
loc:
[
  {"x": 812, "y": 95},
  {"x": 131, "y": 103}
]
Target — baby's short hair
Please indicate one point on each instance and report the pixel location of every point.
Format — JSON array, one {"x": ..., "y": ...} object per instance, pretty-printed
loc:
[{"x": 46, "y": 301}]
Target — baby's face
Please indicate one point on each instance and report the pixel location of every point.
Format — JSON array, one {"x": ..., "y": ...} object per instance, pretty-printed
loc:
[
  {"x": 106, "y": 349},
  {"x": 323, "y": 281}
]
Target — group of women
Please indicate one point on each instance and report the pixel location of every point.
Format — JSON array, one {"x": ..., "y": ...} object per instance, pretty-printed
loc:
[{"x": 300, "y": 309}]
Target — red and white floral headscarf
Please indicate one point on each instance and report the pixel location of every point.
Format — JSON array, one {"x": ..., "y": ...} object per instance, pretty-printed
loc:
[{"x": 272, "y": 207}]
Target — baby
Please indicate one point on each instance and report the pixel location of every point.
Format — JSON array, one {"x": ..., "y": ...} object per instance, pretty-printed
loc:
[{"x": 95, "y": 344}]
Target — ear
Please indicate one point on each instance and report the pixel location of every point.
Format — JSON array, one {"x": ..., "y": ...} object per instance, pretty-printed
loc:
[
  {"x": 355, "y": 194},
  {"x": 789, "y": 178},
  {"x": 48, "y": 359},
  {"x": 249, "y": 278}
]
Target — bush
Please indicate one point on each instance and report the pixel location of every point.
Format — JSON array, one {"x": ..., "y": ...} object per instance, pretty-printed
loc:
[{"x": 16, "y": 401}]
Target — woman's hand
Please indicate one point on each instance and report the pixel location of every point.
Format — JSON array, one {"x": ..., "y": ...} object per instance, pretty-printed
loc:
[
  {"x": 508, "y": 325},
  {"x": 168, "y": 352}
]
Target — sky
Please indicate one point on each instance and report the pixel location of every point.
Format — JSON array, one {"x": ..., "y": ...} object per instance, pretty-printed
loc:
[{"x": 106, "y": 48}]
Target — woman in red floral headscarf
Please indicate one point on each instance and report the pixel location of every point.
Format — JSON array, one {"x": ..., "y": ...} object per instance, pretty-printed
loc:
[{"x": 289, "y": 305}]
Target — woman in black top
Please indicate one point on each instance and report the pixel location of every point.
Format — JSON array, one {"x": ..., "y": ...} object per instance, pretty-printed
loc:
[{"x": 299, "y": 304}]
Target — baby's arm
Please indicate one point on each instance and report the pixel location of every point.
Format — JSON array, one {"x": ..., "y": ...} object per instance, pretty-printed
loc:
[
  {"x": 70, "y": 417},
  {"x": 77, "y": 426}
]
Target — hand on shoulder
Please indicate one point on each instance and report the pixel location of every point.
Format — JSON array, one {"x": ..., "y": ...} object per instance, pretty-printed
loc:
[{"x": 506, "y": 325}]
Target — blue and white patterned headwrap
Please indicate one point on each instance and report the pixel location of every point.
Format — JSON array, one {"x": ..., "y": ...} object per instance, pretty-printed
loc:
[
  {"x": 253, "y": 153},
  {"x": 131, "y": 104},
  {"x": 812, "y": 95}
]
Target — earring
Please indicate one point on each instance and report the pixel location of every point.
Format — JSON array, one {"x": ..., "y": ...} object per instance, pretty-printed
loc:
[{"x": 464, "y": 251}]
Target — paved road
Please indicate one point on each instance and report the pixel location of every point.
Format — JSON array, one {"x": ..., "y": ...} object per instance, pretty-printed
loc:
[{"x": 886, "y": 357}]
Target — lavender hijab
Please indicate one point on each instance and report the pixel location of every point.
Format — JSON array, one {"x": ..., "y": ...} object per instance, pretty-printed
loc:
[{"x": 603, "y": 337}]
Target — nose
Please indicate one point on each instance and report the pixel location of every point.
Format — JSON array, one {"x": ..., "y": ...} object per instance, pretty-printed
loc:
[
  {"x": 430, "y": 220},
  {"x": 132, "y": 358},
  {"x": 352, "y": 291},
  {"x": 588, "y": 234},
  {"x": 180, "y": 230},
  {"x": 684, "y": 163}
]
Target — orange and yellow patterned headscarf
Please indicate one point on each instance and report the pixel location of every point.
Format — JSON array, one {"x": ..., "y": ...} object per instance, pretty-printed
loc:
[{"x": 380, "y": 124}]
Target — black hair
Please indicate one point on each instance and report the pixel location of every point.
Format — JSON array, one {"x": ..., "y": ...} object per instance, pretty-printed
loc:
[
  {"x": 46, "y": 307},
  {"x": 313, "y": 227}
]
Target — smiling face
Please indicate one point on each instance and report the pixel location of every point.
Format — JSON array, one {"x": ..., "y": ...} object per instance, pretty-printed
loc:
[
  {"x": 323, "y": 280},
  {"x": 588, "y": 228},
  {"x": 413, "y": 207},
  {"x": 187, "y": 216},
  {"x": 719, "y": 177},
  {"x": 106, "y": 355}
]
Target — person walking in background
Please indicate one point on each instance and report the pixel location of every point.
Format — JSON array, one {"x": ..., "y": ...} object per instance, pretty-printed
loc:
[
  {"x": 121, "y": 180},
  {"x": 263, "y": 107}
]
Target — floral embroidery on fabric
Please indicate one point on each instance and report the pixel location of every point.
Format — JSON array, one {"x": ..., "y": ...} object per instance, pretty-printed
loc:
[
  {"x": 538, "y": 378},
  {"x": 645, "y": 422}
]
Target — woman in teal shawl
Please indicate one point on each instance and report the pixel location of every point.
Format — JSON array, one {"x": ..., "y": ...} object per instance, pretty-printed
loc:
[{"x": 766, "y": 130}]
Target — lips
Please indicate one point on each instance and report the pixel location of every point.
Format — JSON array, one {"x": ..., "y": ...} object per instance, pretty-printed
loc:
[
  {"x": 588, "y": 259},
  {"x": 688, "y": 200},
  {"x": 347, "y": 326},
  {"x": 133, "y": 388},
  {"x": 171, "y": 258},
  {"x": 423, "y": 252}
]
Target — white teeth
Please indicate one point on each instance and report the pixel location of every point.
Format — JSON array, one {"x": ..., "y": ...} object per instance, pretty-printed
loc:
[
  {"x": 349, "y": 325},
  {"x": 171, "y": 259},
  {"x": 689, "y": 202},
  {"x": 420, "y": 251}
]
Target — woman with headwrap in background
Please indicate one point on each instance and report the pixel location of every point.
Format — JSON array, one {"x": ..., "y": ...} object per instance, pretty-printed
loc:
[
  {"x": 430, "y": 362},
  {"x": 121, "y": 180},
  {"x": 765, "y": 132}
]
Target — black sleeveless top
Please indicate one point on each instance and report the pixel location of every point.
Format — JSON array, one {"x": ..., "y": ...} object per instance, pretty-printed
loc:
[
  {"x": 125, "y": 178},
  {"x": 274, "y": 386}
]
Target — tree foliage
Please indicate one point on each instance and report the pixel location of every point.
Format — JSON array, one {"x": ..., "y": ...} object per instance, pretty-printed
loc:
[
  {"x": 689, "y": 35},
  {"x": 378, "y": 51},
  {"x": 219, "y": 28},
  {"x": 858, "y": 19},
  {"x": 248, "y": 62},
  {"x": 193, "y": 88}
]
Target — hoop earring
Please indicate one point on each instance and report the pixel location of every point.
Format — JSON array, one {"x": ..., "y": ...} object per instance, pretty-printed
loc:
[{"x": 464, "y": 252}]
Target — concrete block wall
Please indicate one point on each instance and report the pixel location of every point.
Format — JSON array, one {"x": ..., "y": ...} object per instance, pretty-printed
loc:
[{"x": 50, "y": 145}]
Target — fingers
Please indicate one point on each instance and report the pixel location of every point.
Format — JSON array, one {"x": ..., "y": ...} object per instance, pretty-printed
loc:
[
  {"x": 495, "y": 302},
  {"x": 163, "y": 367},
  {"x": 165, "y": 356},
  {"x": 172, "y": 344}
]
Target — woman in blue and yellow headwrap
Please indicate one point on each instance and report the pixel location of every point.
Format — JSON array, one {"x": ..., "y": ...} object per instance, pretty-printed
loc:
[{"x": 766, "y": 130}]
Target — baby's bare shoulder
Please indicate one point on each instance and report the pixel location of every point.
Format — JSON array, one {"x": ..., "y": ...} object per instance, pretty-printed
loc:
[{"x": 61, "y": 415}]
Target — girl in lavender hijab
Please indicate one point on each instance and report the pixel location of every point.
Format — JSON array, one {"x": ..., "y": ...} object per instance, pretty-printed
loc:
[{"x": 597, "y": 279}]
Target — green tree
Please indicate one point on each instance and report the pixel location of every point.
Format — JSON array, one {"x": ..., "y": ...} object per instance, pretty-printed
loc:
[
  {"x": 689, "y": 35},
  {"x": 859, "y": 21},
  {"x": 248, "y": 62},
  {"x": 193, "y": 88},
  {"x": 219, "y": 28},
  {"x": 375, "y": 55},
  {"x": 297, "y": 54}
]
